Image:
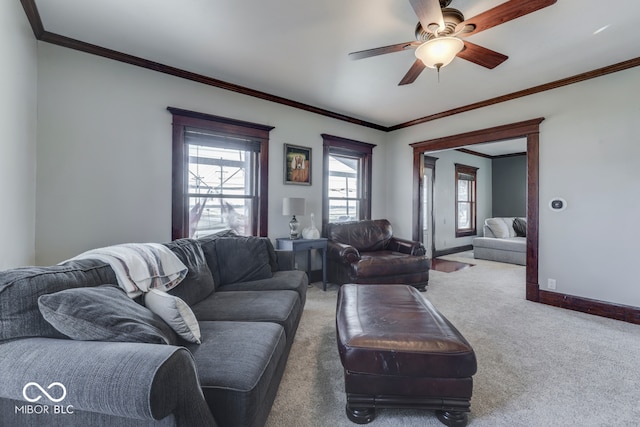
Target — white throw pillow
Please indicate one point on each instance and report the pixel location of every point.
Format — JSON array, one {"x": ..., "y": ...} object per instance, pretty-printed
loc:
[
  {"x": 175, "y": 312},
  {"x": 498, "y": 227}
]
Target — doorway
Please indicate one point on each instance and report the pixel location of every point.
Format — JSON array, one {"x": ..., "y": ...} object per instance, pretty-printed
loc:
[
  {"x": 528, "y": 129},
  {"x": 428, "y": 221}
]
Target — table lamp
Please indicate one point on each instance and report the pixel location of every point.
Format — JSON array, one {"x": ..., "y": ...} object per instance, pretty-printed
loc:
[{"x": 293, "y": 206}]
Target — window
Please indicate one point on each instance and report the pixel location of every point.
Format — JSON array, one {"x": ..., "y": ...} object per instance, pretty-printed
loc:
[
  {"x": 465, "y": 200},
  {"x": 346, "y": 179},
  {"x": 220, "y": 170}
]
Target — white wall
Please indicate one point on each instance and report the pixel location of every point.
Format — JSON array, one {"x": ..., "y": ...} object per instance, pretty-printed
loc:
[
  {"x": 18, "y": 78},
  {"x": 589, "y": 155},
  {"x": 104, "y": 151},
  {"x": 104, "y": 164},
  {"x": 445, "y": 196}
]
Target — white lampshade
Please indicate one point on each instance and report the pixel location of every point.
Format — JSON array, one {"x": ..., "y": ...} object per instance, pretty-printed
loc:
[
  {"x": 293, "y": 206},
  {"x": 439, "y": 51}
]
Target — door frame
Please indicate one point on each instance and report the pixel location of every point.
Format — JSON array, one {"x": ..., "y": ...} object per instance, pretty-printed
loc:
[
  {"x": 428, "y": 162},
  {"x": 529, "y": 129}
]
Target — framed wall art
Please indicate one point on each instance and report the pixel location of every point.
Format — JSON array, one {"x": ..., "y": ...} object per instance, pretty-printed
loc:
[{"x": 297, "y": 165}]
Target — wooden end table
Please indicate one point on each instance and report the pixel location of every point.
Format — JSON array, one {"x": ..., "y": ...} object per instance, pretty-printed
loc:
[{"x": 296, "y": 245}]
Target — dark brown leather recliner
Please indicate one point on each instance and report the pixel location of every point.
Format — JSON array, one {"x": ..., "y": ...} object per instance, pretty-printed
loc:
[{"x": 366, "y": 252}]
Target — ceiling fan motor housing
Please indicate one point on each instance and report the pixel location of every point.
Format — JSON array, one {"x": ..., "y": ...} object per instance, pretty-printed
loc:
[{"x": 452, "y": 17}]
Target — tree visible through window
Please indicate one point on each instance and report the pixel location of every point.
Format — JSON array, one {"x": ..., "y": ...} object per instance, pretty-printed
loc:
[
  {"x": 347, "y": 179},
  {"x": 465, "y": 200},
  {"x": 219, "y": 175}
]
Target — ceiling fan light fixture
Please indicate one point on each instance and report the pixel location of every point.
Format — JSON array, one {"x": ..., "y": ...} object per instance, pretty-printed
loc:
[{"x": 439, "y": 51}]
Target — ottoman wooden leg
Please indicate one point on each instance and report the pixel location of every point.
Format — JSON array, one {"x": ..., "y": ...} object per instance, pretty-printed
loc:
[
  {"x": 360, "y": 415},
  {"x": 453, "y": 419}
]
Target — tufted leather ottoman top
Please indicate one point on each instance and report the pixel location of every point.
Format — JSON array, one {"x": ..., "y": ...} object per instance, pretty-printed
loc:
[{"x": 392, "y": 330}]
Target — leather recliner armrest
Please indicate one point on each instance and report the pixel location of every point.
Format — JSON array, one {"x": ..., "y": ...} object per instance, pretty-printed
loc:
[
  {"x": 342, "y": 252},
  {"x": 406, "y": 246}
]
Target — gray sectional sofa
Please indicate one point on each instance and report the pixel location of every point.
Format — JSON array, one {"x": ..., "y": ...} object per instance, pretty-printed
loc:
[
  {"x": 119, "y": 364},
  {"x": 502, "y": 241}
]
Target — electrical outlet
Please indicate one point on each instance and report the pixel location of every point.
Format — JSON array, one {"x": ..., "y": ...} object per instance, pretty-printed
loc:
[{"x": 551, "y": 283}]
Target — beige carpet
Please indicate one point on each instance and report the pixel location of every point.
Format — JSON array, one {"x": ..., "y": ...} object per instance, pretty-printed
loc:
[{"x": 537, "y": 365}]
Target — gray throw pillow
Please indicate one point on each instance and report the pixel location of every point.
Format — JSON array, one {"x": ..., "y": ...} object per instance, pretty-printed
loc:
[
  {"x": 520, "y": 227},
  {"x": 199, "y": 282},
  {"x": 103, "y": 313},
  {"x": 242, "y": 259}
]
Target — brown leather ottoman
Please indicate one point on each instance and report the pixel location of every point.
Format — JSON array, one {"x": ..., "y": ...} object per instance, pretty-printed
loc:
[{"x": 398, "y": 351}]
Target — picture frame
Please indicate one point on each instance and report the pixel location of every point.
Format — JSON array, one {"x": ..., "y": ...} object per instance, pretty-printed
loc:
[{"x": 297, "y": 165}]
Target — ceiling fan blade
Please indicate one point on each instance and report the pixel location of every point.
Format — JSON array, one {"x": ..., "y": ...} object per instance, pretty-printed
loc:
[
  {"x": 429, "y": 13},
  {"x": 481, "y": 55},
  {"x": 500, "y": 14},
  {"x": 413, "y": 73},
  {"x": 383, "y": 50}
]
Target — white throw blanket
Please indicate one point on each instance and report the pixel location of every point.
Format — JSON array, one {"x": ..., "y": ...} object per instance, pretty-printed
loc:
[{"x": 141, "y": 267}]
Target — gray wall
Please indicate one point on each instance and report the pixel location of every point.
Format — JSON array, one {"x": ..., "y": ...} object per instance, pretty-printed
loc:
[{"x": 509, "y": 184}]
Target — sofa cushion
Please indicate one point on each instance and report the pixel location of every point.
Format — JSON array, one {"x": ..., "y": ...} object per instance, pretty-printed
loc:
[
  {"x": 20, "y": 289},
  {"x": 386, "y": 263},
  {"x": 499, "y": 227},
  {"x": 238, "y": 259},
  {"x": 175, "y": 313},
  {"x": 281, "y": 307},
  {"x": 199, "y": 282},
  {"x": 103, "y": 313},
  {"x": 512, "y": 244},
  {"x": 285, "y": 280},
  {"x": 237, "y": 362}
]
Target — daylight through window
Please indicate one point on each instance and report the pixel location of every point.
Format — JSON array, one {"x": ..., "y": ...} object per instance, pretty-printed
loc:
[
  {"x": 220, "y": 170},
  {"x": 347, "y": 179}
]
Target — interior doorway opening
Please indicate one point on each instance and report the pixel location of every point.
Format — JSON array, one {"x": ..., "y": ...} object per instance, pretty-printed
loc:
[
  {"x": 528, "y": 129},
  {"x": 427, "y": 217}
]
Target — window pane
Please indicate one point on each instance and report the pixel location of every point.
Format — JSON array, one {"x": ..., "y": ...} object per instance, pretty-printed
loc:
[
  {"x": 464, "y": 215},
  {"x": 219, "y": 171},
  {"x": 464, "y": 191},
  {"x": 344, "y": 191},
  {"x": 214, "y": 173},
  {"x": 344, "y": 210},
  {"x": 343, "y": 177},
  {"x": 209, "y": 215}
]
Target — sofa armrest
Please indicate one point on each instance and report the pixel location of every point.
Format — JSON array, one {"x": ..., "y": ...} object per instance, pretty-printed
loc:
[
  {"x": 406, "y": 246},
  {"x": 342, "y": 252},
  {"x": 132, "y": 380}
]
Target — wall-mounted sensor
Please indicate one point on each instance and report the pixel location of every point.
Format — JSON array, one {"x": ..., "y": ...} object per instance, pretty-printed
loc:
[{"x": 558, "y": 204}]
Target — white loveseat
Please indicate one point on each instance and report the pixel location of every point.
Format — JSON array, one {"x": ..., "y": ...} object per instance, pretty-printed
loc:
[{"x": 502, "y": 242}]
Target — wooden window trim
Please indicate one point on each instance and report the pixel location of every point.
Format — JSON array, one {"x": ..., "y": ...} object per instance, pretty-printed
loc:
[
  {"x": 345, "y": 146},
  {"x": 469, "y": 170},
  {"x": 180, "y": 206}
]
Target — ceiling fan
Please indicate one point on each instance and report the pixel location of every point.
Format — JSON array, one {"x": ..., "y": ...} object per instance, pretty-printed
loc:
[{"x": 440, "y": 29}]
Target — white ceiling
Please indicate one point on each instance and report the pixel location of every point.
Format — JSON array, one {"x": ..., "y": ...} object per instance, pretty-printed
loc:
[{"x": 298, "y": 49}]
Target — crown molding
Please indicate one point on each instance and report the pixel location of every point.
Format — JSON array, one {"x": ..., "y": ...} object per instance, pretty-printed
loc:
[{"x": 31, "y": 10}]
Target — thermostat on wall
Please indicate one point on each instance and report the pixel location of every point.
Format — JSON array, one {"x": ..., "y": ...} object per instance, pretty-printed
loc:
[{"x": 558, "y": 204}]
